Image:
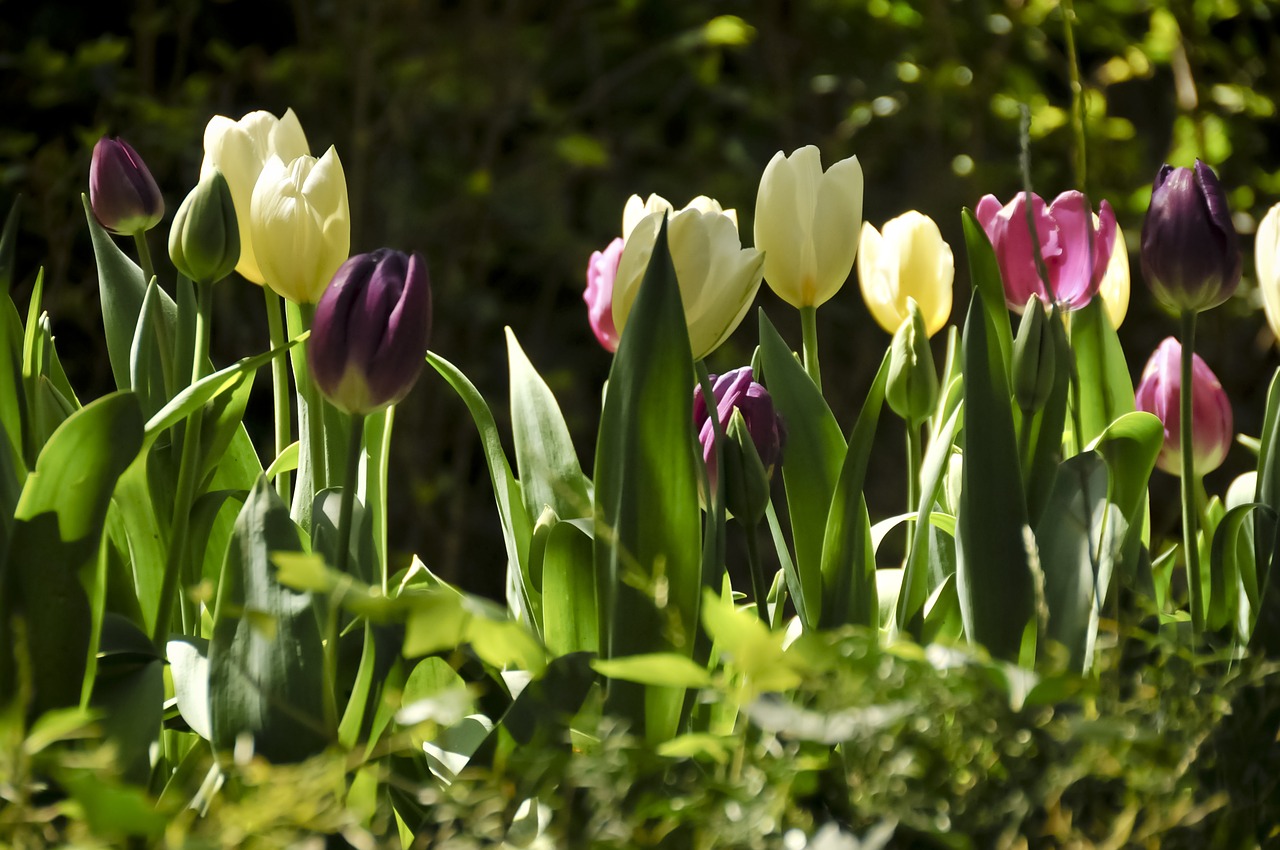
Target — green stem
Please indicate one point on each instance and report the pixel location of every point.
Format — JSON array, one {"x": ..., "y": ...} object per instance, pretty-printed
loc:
[
  {"x": 1024, "y": 442},
  {"x": 1189, "y": 516},
  {"x": 913, "y": 482},
  {"x": 188, "y": 471},
  {"x": 308, "y": 396},
  {"x": 759, "y": 589},
  {"x": 279, "y": 387},
  {"x": 1077, "y": 92},
  {"x": 355, "y": 447},
  {"x": 144, "y": 257},
  {"x": 809, "y": 331}
]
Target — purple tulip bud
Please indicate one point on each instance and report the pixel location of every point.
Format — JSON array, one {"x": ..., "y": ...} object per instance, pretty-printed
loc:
[
  {"x": 369, "y": 338},
  {"x": 1190, "y": 251},
  {"x": 735, "y": 392},
  {"x": 122, "y": 192},
  {"x": 1159, "y": 393},
  {"x": 602, "y": 270},
  {"x": 1075, "y": 250}
]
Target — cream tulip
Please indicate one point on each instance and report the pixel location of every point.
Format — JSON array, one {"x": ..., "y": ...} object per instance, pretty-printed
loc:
[
  {"x": 239, "y": 149},
  {"x": 300, "y": 224},
  {"x": 718, "y": 278},
  {"x": 909, "y": 260},
  {"x": 1114, "y": 289},
  {"x": 805, "y": 225},
  {"x": 1266, "y": 258}
]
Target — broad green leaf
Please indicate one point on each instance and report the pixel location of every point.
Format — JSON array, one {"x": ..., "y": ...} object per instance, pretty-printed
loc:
[
  {"x": 647, "y": 535},
  {"x": 358, "y": 701},
  {"x": 516, "y": 525},
  {"x": 546, "y": 460},
  {"x": 451, "y": 751},
  {"x": 265, "y": 656},
  {"x": 1234, "y": 570},
  {"x": 993, "y": 573},
  {"x": 129, "y": 692},
  {"x": 540, "y": 715},
  {"x": 9, "y": 247},
  {"x": 1079, "y": 540},
  {"x": 113, "y": 812},
  {"x": 13, "y": 397},
  {"x": 223, "y": 418},
  {"x": 1267, "y": 632},
  {"x": 325, "y": 515},
  {"x": 1106, "y": 390},
  {"x": 1130, "y": 444},
  {"x": 984, "y": 272},
  {"x": 445, "y": 619},
  {"x": 848, "y": 576},
  {"x": 571, "y": 622},
  {"x": 189, "y": 666},
  {"x": 146, "y": 370},
  {"x": 667, "y": 669},
  {"x": 748, "y": 646},
  {"x": 811, "y": 464},
  {"x": 1046, "y": 427}
]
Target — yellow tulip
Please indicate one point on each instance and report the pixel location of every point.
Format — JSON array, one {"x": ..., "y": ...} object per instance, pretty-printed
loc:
[
  {"x": 301, "y": 225},
  {"x": 239, "y": 149},
  {"x": 910, "y": 260},
  {"x": 1114, "y": 289},
  {"x": 718, "y": 278},
  {"x": 805, "y": 225},
  {"x": 1266, "y": 258}
]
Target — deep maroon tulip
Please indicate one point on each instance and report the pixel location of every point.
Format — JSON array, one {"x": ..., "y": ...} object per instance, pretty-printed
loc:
[
  {"x": 1160, "y": 393},
  {"x": 1190, "y": 251},
  {"x": 602, "y": 271},
  {"x": 369, "y": 338},
  {"x": 735, "y": 392},
  {"x": 123, "y": 194}
]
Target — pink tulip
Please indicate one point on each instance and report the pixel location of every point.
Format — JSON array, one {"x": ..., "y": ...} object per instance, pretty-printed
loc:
[
  {"x": 602, "y": 270},
  {"x": 1160, "y": 393},
  {"x": 1064, "y": 230}
]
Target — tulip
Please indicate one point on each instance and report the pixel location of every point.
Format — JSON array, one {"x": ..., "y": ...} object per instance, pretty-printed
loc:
[
  {"x": 912, "y": 384},
  {"x": 1266, "y": 249},
  {"x": 1075, "y": 251},
  {"x": 123, "y": 194},
  {"x": 602, "y": 271},
  {"x": 240, "y": 149},
  {"x": 1159, "y": 393},
  {"x": 909, "y": 261},
  {"x": 204, "y": 241},
  {"x": 1114, "y": 289},
  {"x": 1190, "y": 251},
  {"x": 369, "y": 339},
  {"x": 300, "y": 224},
  {"x": 755, "y": 445},
  {"x": 718, "y": 278},
  {"x": 805, "y": 222}
]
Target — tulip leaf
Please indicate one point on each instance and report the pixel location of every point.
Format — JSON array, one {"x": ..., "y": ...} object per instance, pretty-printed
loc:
[
  {"x": 1079, "y": 540},
  {"x": 265, "y": 656},
  {"x": 9, "y": 247},
  {"x": 571, "y": 622},
  {"x": 993, "y": 571},
  {"x": 1233, "y": 569},
  {"x": 1106, "y": 390},
  {"x": 811, "y": 464},
  {"x": 146, "y": 371},
  {"x": 1047, "y": 425},
  {"x": 648, "y": 543},
  {"x": 1130, "y": 444},
  {"x": 517, "y": 528},
  {"x": 446, "y": 619},
  {"x": 848, "y": 575},
  {"x": 14, "y": 416},
  {"x": 984, "y": 272},
  {"x": 56, "y": 537},
  {"x": 656, "y": 668},
  {"x": 550, "y": 474},
  {"x": 189, "y": 666},
  {"x": 377, "y": 447},
  {"x": 129, "y": 693},
  {"x": 1267, "y": 490}
]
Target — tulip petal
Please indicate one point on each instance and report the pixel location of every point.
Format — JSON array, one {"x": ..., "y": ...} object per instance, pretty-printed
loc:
[
  {"x": 836, "y": 219},
  {"x": 1266, "y": 248}
]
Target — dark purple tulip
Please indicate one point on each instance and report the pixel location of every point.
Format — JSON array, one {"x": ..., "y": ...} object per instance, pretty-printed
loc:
[
  {"x": 735, "y": 391},
  {"x": 1190, "y": 251},
  {"x": 369, "y": 338},
  {"x": 122, "y": 192}
]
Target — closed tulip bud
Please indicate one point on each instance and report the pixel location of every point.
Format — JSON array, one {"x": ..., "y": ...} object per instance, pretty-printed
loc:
[
  {"x": 369, "y": 339},
  {"x": 1190, "y": 251},
  {"x": 204, "y": 241},
  {"x": 602, "y": 271},
  {"x": 755, "y": 437},
  {"x": 1266, "y": 248},
  {"x": 1034, "y": 359},
  {"x": 912, "y": 388},
  {"x": 1159, "y": 393},
  {"x": 301, "y": 225},
  {"x": 1074, "y": 248},
  {"x": 910, "y": 261},
  {"x": 240, "y": 149},
  {"x": 123, "y": 194},
  {"x": 805, "y": 223},
  {"x": 718, "y": 278}
]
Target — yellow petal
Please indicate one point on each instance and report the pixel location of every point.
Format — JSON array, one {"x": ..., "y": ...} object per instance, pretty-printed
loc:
[
  {"x": 1114, "y": 289},
  {"x": 878, "y": 281}
]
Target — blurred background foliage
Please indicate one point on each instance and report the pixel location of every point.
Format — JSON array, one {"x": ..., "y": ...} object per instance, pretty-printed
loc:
[{"x": 502, "y": 139}]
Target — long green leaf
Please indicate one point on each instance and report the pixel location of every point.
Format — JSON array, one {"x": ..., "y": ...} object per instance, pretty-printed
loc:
[
  {"x": 1130, "y": 444},
  {"x": 9, "y": 247},
  {"x": 1048, "y": 425},
  {"x": 647, "y": 523},
  {"x": 984, "y": 272},
  {"x": 1106, "y": 390},
  {"x": 571, "y": 622},
  {"x": 811, "y": 463},
  {"x": 993, "y": 574}
]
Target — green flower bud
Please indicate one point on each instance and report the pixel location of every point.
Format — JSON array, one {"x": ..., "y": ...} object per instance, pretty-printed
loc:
[
  {"x": 746, "y": 481},
  {"x": 912, "y": 390},
  {"x": 204, "y": 242},
  {"x": 1034, "y": 358}
]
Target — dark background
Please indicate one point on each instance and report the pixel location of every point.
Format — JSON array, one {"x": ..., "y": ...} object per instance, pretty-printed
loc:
[{"x": 502, "y": 139}]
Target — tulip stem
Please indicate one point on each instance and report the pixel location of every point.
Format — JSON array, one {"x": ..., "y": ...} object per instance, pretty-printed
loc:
[
  {"x": 913, "y": 483},
  {"x": 188, "y": 470},
  {"x": 759, "y": 589},
  {"x": 1189, "y": 515},
  {"x": 279, "y": 387},
  {"x": 809, "y": 330},
  {"x": 1077, "y": 93},
  {"x": 144, "y": 257},
  {"x": 342, "y": 560}
]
